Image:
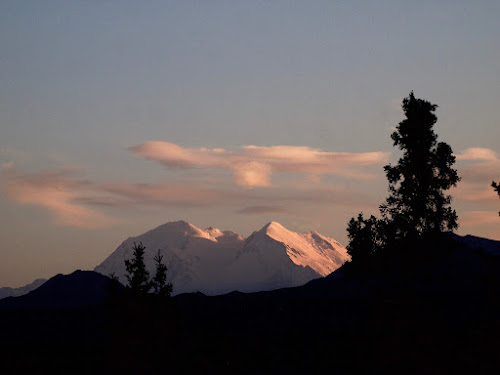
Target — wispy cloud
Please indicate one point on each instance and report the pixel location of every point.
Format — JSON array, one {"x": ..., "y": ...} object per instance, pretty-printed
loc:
[
  {"x": 57, "y": 191},
  {"x": 476, "y": 201},
  {"x": 470, "y": 192},
  {"x": 80, "y": 203},
  {"x": 477, "y": 154},
  {"x": 477, "y": 167},
  {"x": 253, "y": 166},
  {"x": 167, "y": 194}
]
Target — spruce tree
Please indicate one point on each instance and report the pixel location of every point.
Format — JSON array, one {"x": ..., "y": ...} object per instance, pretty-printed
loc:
[
  {"x": 417, "y": 203},
  {"x": 137, "y": 274},
  {"x": 363, "y": 237},
  {"x": 159, "y": 282}
]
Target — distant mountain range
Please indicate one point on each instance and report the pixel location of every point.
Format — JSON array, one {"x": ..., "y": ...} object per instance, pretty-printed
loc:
[
  {"x": 215, "y": 262},
  {"x": 16, "y": 292}
]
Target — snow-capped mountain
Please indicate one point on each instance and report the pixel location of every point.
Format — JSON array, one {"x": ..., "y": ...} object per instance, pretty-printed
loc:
[
  {"x": 214, "y": 261},
  {"x": 275, "y": 257}
]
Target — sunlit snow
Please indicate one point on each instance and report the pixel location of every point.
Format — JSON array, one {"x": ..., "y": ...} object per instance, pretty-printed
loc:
[{"x": 214, "y": 261}]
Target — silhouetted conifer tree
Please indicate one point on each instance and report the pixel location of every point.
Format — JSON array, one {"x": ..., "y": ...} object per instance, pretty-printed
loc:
[
  {"x": 137, "y": 274},
  {"x": 114, "y": 288},
  {"x": 159, "y": 282},
  {"x": 417, "y": 203},
  {"x": 364, "y": 237}
]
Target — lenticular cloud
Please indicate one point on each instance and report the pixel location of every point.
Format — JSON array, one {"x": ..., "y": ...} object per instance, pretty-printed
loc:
[{"x": 253, "y": 166}]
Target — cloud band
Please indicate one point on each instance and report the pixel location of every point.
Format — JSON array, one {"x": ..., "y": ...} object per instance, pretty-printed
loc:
[{"x": 253, "y": 166}]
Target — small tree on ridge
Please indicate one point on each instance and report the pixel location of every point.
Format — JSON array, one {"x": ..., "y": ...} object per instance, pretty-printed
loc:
[
  {"x": 159, "y": 282},
  {"x": 137, "y": 274}
]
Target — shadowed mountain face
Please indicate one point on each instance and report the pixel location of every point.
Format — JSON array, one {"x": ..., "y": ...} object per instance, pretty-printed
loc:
[{"x": 216, "y": 262}]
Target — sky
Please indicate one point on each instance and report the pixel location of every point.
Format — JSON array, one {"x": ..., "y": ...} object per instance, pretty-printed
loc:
[{"x": 119, "y": 116}]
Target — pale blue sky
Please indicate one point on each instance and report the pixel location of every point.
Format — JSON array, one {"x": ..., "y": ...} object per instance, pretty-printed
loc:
[{"x": 82, "y": 81}]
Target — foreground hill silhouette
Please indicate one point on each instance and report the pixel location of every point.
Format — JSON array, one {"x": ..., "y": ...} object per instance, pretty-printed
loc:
[
  {"x": 432, "y": 310},
  {"x": 79, "y": 289}
]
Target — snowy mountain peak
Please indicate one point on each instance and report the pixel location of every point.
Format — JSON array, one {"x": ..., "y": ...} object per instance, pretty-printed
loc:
[
  {"x": 214, "y": 233},
  {"x": 273, "y": 226},
  {"x": 323, "y": 254},
  {"x": 215, "y": 261},
  {"x": 182, "y": 230}
]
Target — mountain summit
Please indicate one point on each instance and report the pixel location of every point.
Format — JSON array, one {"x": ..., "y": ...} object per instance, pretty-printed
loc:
[
  {"x": 214, "y": 261},
  {"x": 323, "y": 254}
]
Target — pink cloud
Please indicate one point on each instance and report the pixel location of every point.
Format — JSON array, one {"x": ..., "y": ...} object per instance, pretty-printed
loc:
[
  {"x": 313, "y": 161},
  {"x": 77, "y": 202},
  {"x": 477, "y": 167},
  {"x": 176, "y": 156},
  {"x": 478, "y": 154},
  {"x": 56, "y": 191},
  {"x": 481, "y": 172},
  {"x": 473, "y": 193},
  {"x": 252, "y": 174},
  {"x": 253, "y": 166}
]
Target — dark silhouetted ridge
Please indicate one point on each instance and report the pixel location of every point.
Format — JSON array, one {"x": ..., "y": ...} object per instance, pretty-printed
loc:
[{"x": 81, "y": 288}]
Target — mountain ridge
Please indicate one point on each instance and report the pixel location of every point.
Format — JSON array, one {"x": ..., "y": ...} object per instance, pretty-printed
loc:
[
  {"x": 489, "y": 246},
  {"x": 22, "y": 290}
]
